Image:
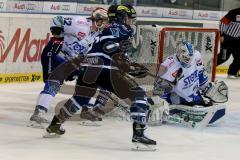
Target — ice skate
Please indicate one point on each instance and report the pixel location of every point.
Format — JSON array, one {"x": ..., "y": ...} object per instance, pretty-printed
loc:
[
  {"x": 37, "y": 120},
  {"x": 54, "y": 130},
  {"x": 98, "y": 110},
  {"x": 89, "y": 118},
  {"x": 140, "y": 141}
]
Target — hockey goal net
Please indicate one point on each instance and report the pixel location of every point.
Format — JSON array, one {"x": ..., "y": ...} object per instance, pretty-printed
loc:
[{"x": 154, "y": 44}]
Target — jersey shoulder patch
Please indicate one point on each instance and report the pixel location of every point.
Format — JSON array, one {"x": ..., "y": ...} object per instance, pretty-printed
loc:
[{"x": 115, "y": 31}]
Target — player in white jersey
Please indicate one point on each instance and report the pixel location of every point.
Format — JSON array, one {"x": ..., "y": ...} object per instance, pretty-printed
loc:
[
  {"x": 78, "y": 33},
  {"x": 183, "y": 83},
  {"x": 182, "y": 77}
]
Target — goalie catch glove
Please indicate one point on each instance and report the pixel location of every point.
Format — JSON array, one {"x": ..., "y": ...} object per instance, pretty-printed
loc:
[
  {"x": 216, "y": 91},
  {"x": 138, "y": 70}
]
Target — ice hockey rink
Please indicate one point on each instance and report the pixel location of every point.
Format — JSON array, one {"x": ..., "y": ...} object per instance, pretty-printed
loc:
[{"x": 111, "y": 140}]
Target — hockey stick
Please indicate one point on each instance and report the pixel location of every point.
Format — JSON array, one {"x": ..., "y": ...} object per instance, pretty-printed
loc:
[
  {"x": 178, "y": 75},
  {"x": 157, "y": 77},
  {"x": 62, "y": 72},
  {"x": 117, "y": 102},
  {"x": 161, "y": 85}
]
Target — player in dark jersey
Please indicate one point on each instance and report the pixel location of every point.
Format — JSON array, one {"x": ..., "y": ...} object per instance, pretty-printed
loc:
[{"x": 106, "y": 66}]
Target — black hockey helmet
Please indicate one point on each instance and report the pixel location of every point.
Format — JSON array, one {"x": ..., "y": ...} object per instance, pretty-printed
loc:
[
  {"x": 133, "y": 13},
  {"x": 118, "y": 13}
]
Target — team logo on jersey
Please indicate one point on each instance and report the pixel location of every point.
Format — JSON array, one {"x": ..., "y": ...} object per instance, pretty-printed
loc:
[
  {"x": 188, "y": 81},
  {"x": 81, "y": 35},
  {"x": 115, "y": 32},
  {"x": 77, "y": 47}
]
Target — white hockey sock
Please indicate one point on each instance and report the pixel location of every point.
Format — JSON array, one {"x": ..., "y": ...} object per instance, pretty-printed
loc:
[{"x": 45, "y": 100}]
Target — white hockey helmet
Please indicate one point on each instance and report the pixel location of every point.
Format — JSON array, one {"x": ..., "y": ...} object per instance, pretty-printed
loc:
[
  {"x": 99, "y": 17},
  {"x": 185, "y": 51},
  {"x": 57, "y": 25}
]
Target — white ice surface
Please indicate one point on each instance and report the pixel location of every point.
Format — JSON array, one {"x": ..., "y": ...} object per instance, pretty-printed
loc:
[{"x": 111, "y": 141}]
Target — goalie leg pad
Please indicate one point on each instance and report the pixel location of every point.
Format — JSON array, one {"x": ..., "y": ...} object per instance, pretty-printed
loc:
[
  {"x": 197, "y": 116},
  {"x": 159, "y": 111},
  {"x": 219, "y": 114}
]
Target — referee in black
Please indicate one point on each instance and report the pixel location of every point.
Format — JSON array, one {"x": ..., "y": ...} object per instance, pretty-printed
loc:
[{"x": 230, "y": 41}]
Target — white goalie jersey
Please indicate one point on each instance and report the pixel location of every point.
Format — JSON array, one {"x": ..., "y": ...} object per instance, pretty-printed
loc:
[{"x": 190, "y": 80}]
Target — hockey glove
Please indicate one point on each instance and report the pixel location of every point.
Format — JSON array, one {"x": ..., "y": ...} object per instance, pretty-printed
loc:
[
  {"x": 217, "y": 92},
  {"x": 138, "y": 70},
  {"x": 121, "y": 61},
  {"x": 162, "y": 87}
]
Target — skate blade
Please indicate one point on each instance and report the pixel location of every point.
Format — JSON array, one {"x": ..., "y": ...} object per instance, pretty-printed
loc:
[
  {"x": 89, "y": 123},
  {"x": 51, "y": 135},
  {"x": 143, "y": 147},
  {"x": 34, "y": 124}
]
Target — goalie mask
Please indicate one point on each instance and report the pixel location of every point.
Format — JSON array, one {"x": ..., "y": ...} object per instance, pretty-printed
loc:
[{"x": 185, "y": 52}]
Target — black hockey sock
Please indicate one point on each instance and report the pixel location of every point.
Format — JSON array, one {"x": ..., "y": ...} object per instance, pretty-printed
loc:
[
  {"x": 138, "y": 129},
  {"x": 55, "y": 120}
]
